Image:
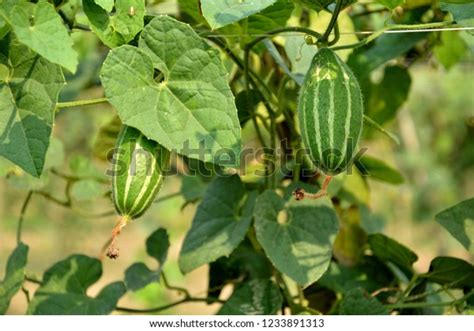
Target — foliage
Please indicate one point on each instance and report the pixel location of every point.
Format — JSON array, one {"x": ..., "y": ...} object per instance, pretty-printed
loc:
[{"x": 208, "y": 83}]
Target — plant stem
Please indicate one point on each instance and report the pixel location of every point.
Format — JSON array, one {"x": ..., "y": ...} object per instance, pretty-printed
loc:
[
  {"x": 310, "y": 32},
  {"x": 78, "y": 103},
  {"x": 22, "y": 216},
  {"x": 429, "y": 304},
  {"x": 167, "y": 197},
  {"x": 174, "y": 288},
  {"x": 378, "y": 33},
  {"x": 332, "y": 22},
  {"x": 337, "y": 35},
  {"x": 168, "y": 306}
]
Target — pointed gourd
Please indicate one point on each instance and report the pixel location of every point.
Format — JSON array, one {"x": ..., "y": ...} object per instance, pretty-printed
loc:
[
  {"x": 330, "y": 110},
  {"x": 138, "y": 169}
]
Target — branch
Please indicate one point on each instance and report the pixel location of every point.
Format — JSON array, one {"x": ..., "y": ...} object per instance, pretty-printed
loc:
[
  {"x": 168, "y": 306},
  {"x": 78, "y": 103},
  {"x": 429, "y": 304},
  {"x": 332, "y": 22},
  {"x": 399, "y": 27},
  {"x": 22, "y": 216}
]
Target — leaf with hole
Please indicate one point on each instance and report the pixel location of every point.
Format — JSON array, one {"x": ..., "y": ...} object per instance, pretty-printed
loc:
[
  {"x": 297, "y": 236},
  {"x": 459, "y": 222},
  {"x": 40, "y": 27},
  {"x": 192, "y": 110},
  {"x": 119, "y": 28}
]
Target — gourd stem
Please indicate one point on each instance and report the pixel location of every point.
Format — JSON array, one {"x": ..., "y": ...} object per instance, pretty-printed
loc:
[
  {"x": 301, "y": 194},
  {"x": 112, "y": 251},
  {"x": 332, "y": 22}
]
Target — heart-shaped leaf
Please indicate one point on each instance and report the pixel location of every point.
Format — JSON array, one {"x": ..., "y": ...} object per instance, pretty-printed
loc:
[
  {"x": 219, "y": 225},
  {"x": 192, "y": 110},
  {"x": 40, "y": 27},
  {"x": 64, "y": 286},
  {"x": 119, "y": 28},
  {"x": 138, "y": 275},
  {"x": 255, "y": 297},
  {"x": 297, "y": 236},
  {"x": 28, "y": 98},
  {"x": 14, "y": 276},
  {"x": 222, "y": 13}
]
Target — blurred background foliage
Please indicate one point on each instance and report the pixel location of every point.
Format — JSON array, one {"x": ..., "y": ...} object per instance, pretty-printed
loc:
[{"x": 434, "y": 121}]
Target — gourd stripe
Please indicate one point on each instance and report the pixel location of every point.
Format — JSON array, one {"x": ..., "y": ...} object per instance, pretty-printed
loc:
[
  {"x": 309, "y": 121},
  {"x": 347, "y": 124},
  {"x": 151, "y": 196},
  {"x": 146, "y": 184},
  {"x": 331, "y": 121},
  {"x": 317, "y": 125},
  {"x": 128, "y": 183},
  {"x": 115, "y": 174}
]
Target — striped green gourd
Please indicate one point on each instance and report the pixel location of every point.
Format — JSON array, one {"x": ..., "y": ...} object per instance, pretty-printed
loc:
[
  {"x": 330, "y": 109},
  {"x": 137, "y": 172}
]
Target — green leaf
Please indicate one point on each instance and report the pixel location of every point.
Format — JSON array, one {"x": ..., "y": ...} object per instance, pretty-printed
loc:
[
  {"x": 107, "y": 5},
  {"x": 385, "y": 98},
  {"x": 297, "y": 236},
  {"x": 40, "y": 27},
  {"x": 319, "y": 5},
  {"x": 87, "y": 190},
  {"x": 222, "y": 13},
  {"x": 54, "y": 158},
  {"x": 451, "y": 49},
  {"x": 388, "y": 250},
  {"x": 192, "y": 111},
  {"x": 388, "y": 46},
  {"x": 14, "y": 276},
  {"x": 220, "y": 223},
  {"x": 64, "y": 287},
  {"x": 244, "y": 263},
  {"x": 459, "y": 222},
  {"x": 255, "y": 297},
  {"x": 390, "y": 4},
  {"x": 358, "y": 302},
  {"x": 190, "y": 9},
  {"x": 246, "y": 102},
  {"x": 192, "y": 188},
  {"x": 139, "y": 275},
  {"x": 300, "y": 55},
  {"x": 82, "y": 166},
  {"x": 370, "y": 274},
  {"x": 451, "y": 271},
  {"x": 462, "y": 11},
  {"x": 27, "y": 105},
  {"x": 378, "y": 170},
  {"x": 273, "y": 17},
  {"x": 119, "y": 28},
  {"x": 271, "y": 48},
  {"x": 106, "y": 139},
  {"x": 350, "y": 241},
  {"x": 157, "y": 245}
]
